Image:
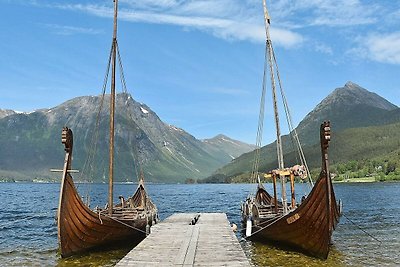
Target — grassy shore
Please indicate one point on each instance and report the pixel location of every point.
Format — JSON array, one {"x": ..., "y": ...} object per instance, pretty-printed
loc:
[
  {"x": 357, "y": 180},
  {"x": 370, "y": 179}
]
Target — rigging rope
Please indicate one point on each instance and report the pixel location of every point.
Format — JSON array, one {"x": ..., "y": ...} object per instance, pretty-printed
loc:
[
  {"x": 88, "y": 169},
  {"x": 268, "y": 225},
  {"x": 292, "y": 129},
  {"x": 135, "y": 155},
  {"x": 93, "y": 144},
  {"x": 89, "y": 164},
  {"x": 257, "y": 154},
  {"x": 270, "y": 58},
  {"x": 373, "y": 237},
  {"x": 121, "y": 222},
  {"x": 279, "y": 150}
]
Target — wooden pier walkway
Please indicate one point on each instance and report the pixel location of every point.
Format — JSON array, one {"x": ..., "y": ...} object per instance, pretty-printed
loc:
[{"x": 174, "y": 242}]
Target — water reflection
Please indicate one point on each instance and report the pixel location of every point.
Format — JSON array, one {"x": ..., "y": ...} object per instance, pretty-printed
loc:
[{"x": 268, "y": 255}]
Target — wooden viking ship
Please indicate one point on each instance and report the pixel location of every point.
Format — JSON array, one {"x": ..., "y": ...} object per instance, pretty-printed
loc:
[
  {"x": 79, "y": 227},
  {"x": 306, "y": 226}
]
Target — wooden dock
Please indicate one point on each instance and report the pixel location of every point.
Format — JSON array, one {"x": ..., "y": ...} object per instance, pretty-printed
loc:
[{"x": 174, "y": 242}]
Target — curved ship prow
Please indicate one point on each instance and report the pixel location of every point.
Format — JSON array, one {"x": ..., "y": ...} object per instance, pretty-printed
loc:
[
  {"x": 81, "y": 229},
  {"x": 307, "y": 226}
]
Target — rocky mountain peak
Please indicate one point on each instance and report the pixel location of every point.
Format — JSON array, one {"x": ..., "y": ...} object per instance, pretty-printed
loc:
[
  {"x": 352, "y": 94},
  {"x": 6, "y": 112},
  {"x": 351, "y": 85},
  {"x": 231, "y": 147},
  {"x": 346, "y": 107},
  {"x": 220, "y": 136}
]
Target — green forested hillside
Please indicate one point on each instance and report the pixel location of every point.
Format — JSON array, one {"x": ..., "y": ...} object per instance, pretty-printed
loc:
[
  {"x": 370, "y": 151},
  {"x": 356, "y": 152},
  {"x": 363, "y": 126}
]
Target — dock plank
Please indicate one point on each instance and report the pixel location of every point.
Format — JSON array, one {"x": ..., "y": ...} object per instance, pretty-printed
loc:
[{"x": 173, "y": 242}]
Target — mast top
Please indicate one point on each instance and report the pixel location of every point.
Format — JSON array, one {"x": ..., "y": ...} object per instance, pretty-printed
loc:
[
  {"x": 267, "y": 21},
  {"x": 115, "y": 18},
  {"x": 266, "y": 14}
]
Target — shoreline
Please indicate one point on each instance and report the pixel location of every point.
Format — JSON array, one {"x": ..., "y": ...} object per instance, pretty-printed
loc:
[
  {"x": 358, "y": 180},
  {"x": 353, "y": 180}
]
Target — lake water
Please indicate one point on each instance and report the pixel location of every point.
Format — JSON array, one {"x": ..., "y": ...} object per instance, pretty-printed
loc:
[{"x": 28, "y": 233}]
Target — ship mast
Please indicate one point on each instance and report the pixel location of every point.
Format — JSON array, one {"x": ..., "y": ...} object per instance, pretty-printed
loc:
[
  {"x": 278, "y": 131},
  {"x": 112, "y": 110}
]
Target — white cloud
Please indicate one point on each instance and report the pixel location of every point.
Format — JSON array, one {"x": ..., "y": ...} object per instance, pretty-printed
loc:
[
  {"x": 151, "y": 3},
  {"x": 343, "y": 13},
  {"x": 70, "y": 30},
  {"x": 384, "y": 48},
  {"x": 286, "y": 38},
  {"x": 243, "y": 19},
  {"x": 231, "y": 20},
  {"x": 323, "y": 48}
]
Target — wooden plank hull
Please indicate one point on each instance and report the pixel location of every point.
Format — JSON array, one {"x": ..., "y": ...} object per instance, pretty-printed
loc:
[
  {"x": 308, "y": 228},
  {"x": 80, "y": 228}
]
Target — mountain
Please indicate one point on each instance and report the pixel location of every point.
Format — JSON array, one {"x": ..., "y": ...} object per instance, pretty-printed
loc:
[
  {"x": 6, "y": 112},
  {"x": 230, "y": 147},
  {"x": 166, "y": 153},
  {"x": 347, "y": 107}
]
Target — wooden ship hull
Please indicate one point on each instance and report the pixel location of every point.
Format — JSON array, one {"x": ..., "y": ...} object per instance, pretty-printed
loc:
[
  {"x": 81, "y": 229},
  {"x": 308, "y": 228}
]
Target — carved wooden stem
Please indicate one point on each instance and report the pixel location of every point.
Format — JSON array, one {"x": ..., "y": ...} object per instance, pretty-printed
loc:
[{"x": 325, "y": 137}]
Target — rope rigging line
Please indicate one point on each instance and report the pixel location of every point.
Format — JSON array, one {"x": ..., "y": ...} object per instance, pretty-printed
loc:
[
  {"x": 135, "y": 155},
  {"x": 365, "y": 232},
  {"x": 89, "y": 165},
  {"x": 285, "y": 104},
  {"x": 93, "y": 144},
  {"x": 121, "y": 222},
  {"x": 271, "y": 62},
  {"x": 273, "y": 86},
  {"x": 268, "y": 225},
  {"x": 88, "y": 168},
  {"x": 292, "y": 130},
  {"x": 287, "y": 112},
  {"x": 257, "y": 154},
  {"x": 121, "y": 72},
  {"x": 284, "y": 99}
]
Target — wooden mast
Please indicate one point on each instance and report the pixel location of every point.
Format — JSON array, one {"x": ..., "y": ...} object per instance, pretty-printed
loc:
[
  {"x": 278, "y": 131},
  {"x": 112, "y": 110}
]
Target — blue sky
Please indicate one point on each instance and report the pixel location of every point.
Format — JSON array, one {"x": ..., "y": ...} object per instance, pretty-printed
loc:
[{"x": 198, "y": 63}]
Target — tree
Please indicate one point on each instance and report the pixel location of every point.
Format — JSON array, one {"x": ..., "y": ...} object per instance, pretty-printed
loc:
[{"x": 391, "y": 167}]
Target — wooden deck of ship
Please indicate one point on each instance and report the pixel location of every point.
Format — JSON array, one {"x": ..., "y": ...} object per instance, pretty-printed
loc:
[{"x": 174, "y": 242}]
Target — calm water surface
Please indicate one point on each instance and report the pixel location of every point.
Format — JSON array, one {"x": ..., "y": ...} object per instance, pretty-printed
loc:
[{"x": 28, "y": 233}]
